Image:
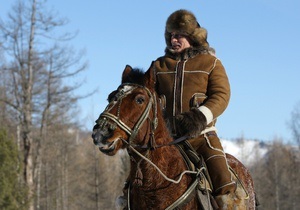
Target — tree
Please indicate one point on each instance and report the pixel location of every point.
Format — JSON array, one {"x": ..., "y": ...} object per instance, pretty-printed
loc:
[
  {"x": 295, "y": 124},
  {"x": 276, "y": 177},
  {"x": 12, "y": 192},
  {"x": 35, "y": 91}
]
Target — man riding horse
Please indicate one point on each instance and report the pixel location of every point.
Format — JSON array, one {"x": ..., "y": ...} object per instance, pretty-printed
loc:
[{"x": 194, "y": 91}]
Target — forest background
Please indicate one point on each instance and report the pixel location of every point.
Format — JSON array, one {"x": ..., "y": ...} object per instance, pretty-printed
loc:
[{"x": 47, "y": 157}]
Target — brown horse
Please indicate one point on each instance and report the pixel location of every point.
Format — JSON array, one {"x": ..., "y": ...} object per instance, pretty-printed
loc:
[{"x": 159, "y": 177}]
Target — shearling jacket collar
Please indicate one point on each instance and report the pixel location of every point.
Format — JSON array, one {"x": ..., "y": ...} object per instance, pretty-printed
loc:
[{"x": 186, "y": 53}]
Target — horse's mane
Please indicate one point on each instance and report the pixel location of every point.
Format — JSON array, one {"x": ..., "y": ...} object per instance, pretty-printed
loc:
[{"x": 135, "y": 76}]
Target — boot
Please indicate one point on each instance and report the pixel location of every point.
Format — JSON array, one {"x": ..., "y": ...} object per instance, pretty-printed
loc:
[{"x": 220, "y": 175}]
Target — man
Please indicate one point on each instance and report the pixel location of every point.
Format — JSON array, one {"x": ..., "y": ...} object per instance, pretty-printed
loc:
[{"x": 196, "y": 89}]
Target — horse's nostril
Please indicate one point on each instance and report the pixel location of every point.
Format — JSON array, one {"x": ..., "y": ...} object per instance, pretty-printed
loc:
[
  {"x": 102, "y": 130},
  {"x": 95, "y": 141},
  {"x": 94, "y": 136}
]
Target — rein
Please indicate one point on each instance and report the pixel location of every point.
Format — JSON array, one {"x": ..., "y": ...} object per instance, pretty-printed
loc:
[
  {"x": 176, "y": 141},
  {"x": 165, "y": 177}
]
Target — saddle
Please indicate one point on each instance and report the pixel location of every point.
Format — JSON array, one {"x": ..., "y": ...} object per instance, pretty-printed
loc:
[{"x": 204, "y": 187}]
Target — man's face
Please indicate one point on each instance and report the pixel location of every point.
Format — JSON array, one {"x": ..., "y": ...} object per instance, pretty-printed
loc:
[{"x": 179, "y": 42}]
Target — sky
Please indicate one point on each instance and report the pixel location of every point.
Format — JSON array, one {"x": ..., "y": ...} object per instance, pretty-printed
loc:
[{"x": 257, "y": 42}]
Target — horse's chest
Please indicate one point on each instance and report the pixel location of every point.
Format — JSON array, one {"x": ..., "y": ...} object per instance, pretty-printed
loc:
[{"x": 159, "y": 198}]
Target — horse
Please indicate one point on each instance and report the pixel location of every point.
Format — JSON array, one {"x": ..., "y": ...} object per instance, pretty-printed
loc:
[{"x": 159, "y": 177}]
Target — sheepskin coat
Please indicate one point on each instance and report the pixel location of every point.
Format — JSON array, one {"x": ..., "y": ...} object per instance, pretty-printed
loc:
[{"x": 193, "y": 78}]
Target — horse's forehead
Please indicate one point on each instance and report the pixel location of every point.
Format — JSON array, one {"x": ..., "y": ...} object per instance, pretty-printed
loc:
[
  {"x": 117, "y": 96},
  {"x": 122, "y": 92},
  {"x": 126, "y": 88}
]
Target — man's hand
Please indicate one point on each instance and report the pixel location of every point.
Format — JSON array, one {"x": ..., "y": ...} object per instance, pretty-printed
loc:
[{"x": 190, "y": 123}]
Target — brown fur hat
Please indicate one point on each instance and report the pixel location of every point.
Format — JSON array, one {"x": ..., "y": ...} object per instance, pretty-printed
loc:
[{"x": 185, "y": 22}]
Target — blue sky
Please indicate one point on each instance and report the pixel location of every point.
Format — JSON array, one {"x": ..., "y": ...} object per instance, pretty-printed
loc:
[{"x": 257, "y": 42}]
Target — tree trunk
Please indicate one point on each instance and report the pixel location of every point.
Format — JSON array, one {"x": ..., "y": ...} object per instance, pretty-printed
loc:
[
  {"x": 27, "y": 126},
  {"x": 96, "y": 173}
]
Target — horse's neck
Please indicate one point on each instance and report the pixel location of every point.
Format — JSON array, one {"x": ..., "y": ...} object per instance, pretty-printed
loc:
[
  {"x": 149, "y": 176},
  {"x": 157, "y": 163},
  {"x": 164, "y": 159},
  {"x": 164, "y": 155}
]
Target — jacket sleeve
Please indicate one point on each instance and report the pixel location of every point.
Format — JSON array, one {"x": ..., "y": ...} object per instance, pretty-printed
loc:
[{"x": 218, "y": 92}]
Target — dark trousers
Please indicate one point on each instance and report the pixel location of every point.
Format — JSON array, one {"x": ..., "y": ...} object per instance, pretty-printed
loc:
[{"x": 209, "y": 146}]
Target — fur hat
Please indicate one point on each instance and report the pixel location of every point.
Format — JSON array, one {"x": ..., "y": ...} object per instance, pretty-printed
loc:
[{"x": 185, "y": 22}]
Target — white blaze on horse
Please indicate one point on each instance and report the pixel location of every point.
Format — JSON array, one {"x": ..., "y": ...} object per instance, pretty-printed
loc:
[{"x": 160, "y": 175}]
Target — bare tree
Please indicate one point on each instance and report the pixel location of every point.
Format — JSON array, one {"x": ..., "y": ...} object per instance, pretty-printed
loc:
[
  {"x": 276, "y": 177},
  {"x": 295, "y": 124},
  {"x": 38, "y": 67}
]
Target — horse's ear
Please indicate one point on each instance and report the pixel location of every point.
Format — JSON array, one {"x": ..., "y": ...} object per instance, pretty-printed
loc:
[
  {"x": 126, "y": 72},
  {"x": 150, "y": 76}
]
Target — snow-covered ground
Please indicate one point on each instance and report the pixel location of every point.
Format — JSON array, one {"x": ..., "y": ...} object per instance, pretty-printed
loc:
[{"x": 247, "y": 151}]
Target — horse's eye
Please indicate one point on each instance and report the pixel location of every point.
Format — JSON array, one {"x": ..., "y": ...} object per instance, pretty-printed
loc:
[{"x": 140, "y": 100}]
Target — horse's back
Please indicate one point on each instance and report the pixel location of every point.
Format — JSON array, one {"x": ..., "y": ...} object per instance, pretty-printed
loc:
[{"x": 244, "y": 176}]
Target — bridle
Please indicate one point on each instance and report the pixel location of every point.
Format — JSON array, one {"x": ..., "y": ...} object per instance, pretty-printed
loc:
[{"x": 123, "y": 91}]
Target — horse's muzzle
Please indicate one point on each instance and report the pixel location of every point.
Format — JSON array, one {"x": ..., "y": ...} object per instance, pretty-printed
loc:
[
  {"x": 96, "y": 135},
  {"x": 102, "y": 131}
]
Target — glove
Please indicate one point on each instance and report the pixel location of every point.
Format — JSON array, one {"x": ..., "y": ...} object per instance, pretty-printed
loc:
[{"x": 190, "y": 123}]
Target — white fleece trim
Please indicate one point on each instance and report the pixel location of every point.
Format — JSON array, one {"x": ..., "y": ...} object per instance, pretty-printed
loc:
[
  {"x": 207, "y": 113},
  {"x": 212, "y": 128}
]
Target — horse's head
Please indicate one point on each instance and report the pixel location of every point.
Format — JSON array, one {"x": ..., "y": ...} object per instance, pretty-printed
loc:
[{"x": 130, "y": 117}]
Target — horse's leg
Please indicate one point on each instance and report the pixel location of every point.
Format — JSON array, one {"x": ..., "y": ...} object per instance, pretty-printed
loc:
[{"x": 122, "y": 200}]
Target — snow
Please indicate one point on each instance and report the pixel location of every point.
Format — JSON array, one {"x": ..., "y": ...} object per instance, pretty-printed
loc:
[{"x": 247, "y": 151}]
